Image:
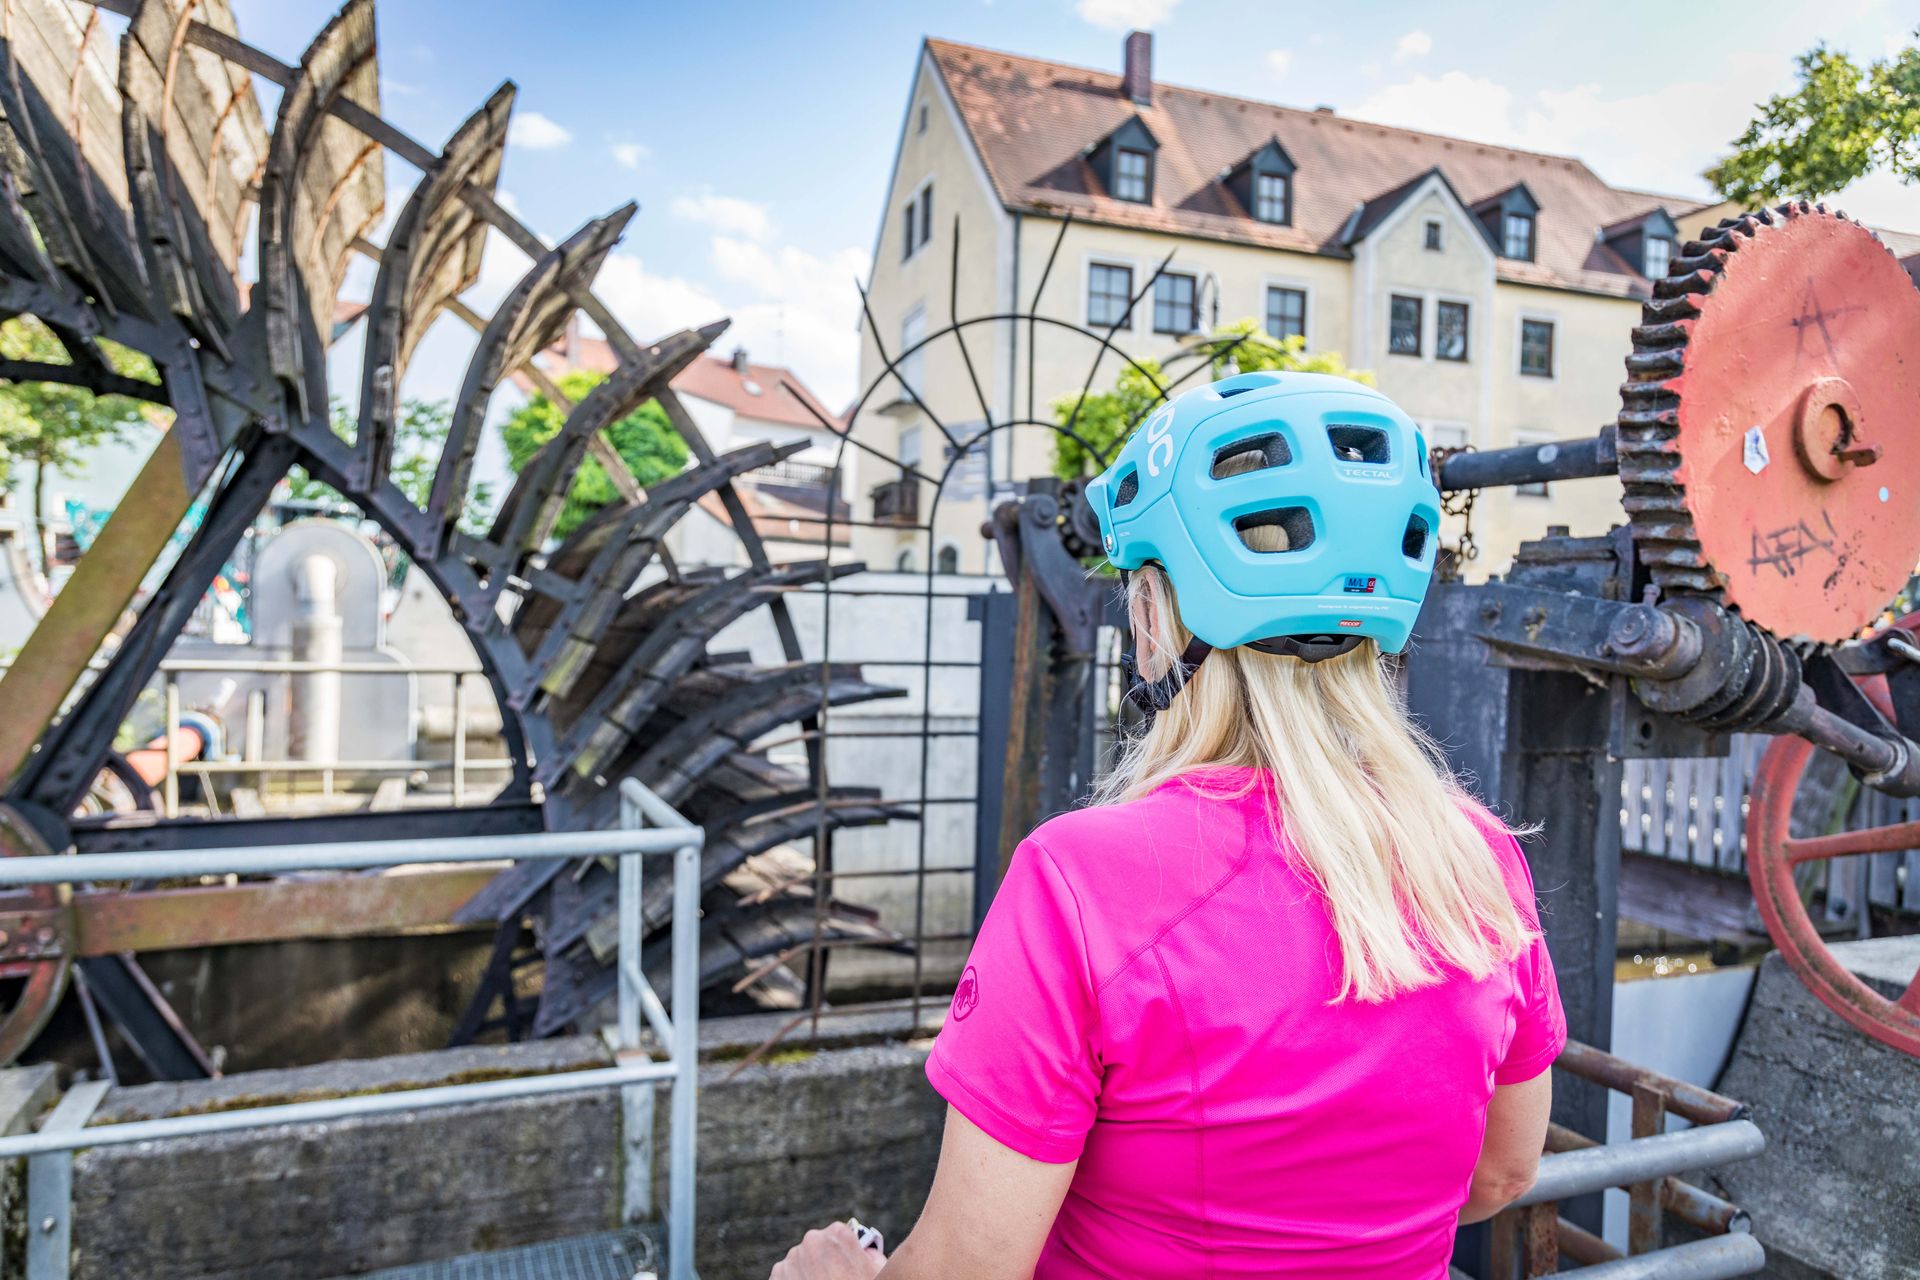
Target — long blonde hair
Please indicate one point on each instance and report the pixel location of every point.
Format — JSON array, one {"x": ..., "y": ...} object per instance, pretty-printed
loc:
[{"x": 1376, "y": 818}]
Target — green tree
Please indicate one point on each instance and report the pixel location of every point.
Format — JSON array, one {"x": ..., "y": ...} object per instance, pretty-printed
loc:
[
  {"x": 644, "y": 438},
  {"x": 1841, "y": 123},
  {"x": 419, "y": 438},
  {"x": 1105, "y": 418},
  {"x": 50, "y": 426}
]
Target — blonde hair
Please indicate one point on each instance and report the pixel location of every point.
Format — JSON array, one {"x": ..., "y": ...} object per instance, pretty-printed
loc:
[{"x": 1377, "y": 820}]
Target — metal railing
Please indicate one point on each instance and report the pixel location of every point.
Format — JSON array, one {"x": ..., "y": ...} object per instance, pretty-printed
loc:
[
  {"x": 253, "y": 760},
  {"x": 1530, "y": 1237},
  {"x": 648, "y": 826}
]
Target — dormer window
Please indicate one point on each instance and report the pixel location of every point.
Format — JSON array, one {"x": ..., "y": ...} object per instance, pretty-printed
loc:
[
  {"x": 1659, "y": 254},
  {"x": 1644, "y": 242},
  {"x": 1263, "y": 183},
  {"x": 1511, "y": 221},
  {"x": 1517, "y": 239},
  {"x": 1272, "y": 199},
  {"x": 1123, "y": 162}
]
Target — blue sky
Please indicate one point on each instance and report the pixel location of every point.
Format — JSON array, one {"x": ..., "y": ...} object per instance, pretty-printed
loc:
[{"x": 756, "y": 136}]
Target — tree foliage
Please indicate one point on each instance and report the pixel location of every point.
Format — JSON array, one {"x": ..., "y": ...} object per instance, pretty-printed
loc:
[
  {"x": 644, "y": 438},
  {"x": 419, "y": 438},
  {"x": 49, "y": 425},
  {"x": 1105, "y": 418},
  {"x": 1841, "y": 123}
]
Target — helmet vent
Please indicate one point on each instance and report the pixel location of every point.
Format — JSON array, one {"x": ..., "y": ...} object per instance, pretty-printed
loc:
[
  {"x": 1275, "y": 530},
  {"x": 1256, "y": 453},
  {"x": 1359, "y": 444},
  {"x": 1129, "y": 489},
  {"x": 1413, "y": 543}
]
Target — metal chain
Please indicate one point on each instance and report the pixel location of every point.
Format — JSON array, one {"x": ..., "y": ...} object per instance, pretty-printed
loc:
[{"x": 1458, "y": 503}]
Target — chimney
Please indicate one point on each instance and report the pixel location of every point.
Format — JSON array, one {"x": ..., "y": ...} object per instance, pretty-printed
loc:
[
  {"x": 1137, "y": 80},
  {"x": 740, "y": 361}
]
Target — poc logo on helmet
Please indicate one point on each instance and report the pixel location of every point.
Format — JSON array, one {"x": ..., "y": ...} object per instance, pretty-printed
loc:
[
  {"x": 1160, "y": 440},
  {"x": 1360, "y": 585}
]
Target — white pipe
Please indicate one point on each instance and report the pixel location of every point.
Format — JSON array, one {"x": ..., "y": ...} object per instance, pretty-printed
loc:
[
  {"x": 360, "y": 1104},
  {"x": 1620, "y": 1164},
  {"x": 61, "y": 869}
]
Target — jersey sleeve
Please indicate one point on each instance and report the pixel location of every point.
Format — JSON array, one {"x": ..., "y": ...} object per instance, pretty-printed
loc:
[
  {"x": 1019, "y": 1054},
  {"x": 1540, "y": 1023}
]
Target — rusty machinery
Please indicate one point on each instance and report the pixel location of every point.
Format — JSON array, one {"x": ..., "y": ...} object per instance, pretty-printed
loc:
[
  {"x": 1768, "y": 447},
  {"x": 1770, "y": 471},
  {"x": 130, "y": 172}
]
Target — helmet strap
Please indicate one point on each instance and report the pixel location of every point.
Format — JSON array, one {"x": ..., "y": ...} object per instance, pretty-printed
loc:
[
  {"x": 1153, "y": 696},
  {"x": 1307, "y": 648}
]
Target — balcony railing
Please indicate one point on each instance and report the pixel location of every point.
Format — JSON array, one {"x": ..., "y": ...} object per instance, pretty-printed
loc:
[{"x": 897, "y": 502}]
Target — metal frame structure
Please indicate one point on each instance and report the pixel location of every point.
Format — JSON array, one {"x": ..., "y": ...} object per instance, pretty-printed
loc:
[{"x": 649, "y": 828}]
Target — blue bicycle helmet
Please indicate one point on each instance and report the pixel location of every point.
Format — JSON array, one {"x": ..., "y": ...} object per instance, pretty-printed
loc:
[{"x": 1335, "y": 464}]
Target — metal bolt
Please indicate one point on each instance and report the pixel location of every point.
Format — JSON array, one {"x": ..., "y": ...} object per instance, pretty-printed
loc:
[
  {"x": 1490, "y": 610},
  {"x": 47, "y": 1224}
]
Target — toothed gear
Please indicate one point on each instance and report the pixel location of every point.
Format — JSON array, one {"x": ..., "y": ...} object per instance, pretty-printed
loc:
[{"x": 1769, "y": 433}]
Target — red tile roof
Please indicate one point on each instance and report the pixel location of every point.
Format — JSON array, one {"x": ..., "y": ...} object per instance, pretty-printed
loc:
[
  {"x": 1033, "y": 120},
  {"x": 764, "y": 392}
]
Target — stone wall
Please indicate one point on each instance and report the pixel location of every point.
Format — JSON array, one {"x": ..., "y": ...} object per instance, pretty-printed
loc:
[
  {"x": 785, "y": 1144},
  {"x": 1836, "y": 1194}
]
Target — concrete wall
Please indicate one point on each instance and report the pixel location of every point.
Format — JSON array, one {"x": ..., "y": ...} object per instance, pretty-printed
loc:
[
  {"x": 1836, "y": 1195},
  {"x": 784, "y": 1145}
]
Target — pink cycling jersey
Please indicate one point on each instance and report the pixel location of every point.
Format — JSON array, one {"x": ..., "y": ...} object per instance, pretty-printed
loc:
[{"x": 1151, "y": 995}]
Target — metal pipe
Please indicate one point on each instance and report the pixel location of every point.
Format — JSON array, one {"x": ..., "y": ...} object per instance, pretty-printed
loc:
[
  {"x": 459, "y": 740},
  {"x": 1530, "y": 463},
  {"x": 170, "y": 792},
  {"x": 686, "y": 1051},
  {"x": 1716, "y": 1258},
  {"x": 1575, "y": 1173},
  {"x": 1690, "y": 1204},
  {"x": 60, "y": 869},
  {"x": 346, "y": 1108},
  {"x": 316, "y": 640},
  {"x": 1702, "y": 1106}
]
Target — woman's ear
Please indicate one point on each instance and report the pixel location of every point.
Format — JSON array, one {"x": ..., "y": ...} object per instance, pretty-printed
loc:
[{"x": 1149, "y": 613}]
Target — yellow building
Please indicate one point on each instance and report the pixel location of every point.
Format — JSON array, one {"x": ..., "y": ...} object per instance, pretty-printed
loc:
[{"x": 1491, "y": 291}]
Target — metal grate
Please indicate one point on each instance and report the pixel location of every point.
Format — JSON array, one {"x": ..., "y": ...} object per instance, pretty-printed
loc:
[{"x": 609, "y": 1255}]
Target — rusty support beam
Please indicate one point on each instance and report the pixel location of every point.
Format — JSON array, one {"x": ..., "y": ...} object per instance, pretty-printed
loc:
[
  {"x": 273, "y": 911},
  {"x": 102, "y": 586}
]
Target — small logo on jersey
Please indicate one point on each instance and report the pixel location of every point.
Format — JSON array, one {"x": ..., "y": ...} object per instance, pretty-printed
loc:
[
  {"x": 966, "y": 997},
  {"x": 1361, "y": 586}
]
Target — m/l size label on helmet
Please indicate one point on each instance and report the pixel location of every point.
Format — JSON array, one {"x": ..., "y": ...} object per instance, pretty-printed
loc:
[{"x": 1361, "y": 586}]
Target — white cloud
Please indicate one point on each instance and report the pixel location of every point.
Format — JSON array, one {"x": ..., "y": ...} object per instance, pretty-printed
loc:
[
  {"x": 1629, "y": 140},
  {"x": 536, "y": 132},
  {"x": 1414, "y": 44},
  {"x": 628, "y": 155},
  {"x": 1278, "y": 60},
  {"x": 1126, "y": 15},
  {"x": 726, "y": 214}
]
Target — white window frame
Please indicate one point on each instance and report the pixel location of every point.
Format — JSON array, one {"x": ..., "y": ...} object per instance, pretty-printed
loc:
[
  {"x": 1533, "y": 236},
  {"x": 1646, "y": 243},
  {"x": 1431, "y": 429},
  {"x": 1424, "y": 298},
  {"x": 911, "y": 370},
  {"x": 1153, "y": 300},
  {"x": 1519, "y": 347},
  {"x": 1286, "y": 199},
  {"x": 1146, "y": 174},
  {"x": 1088, "y": 263},
  {"x": 1472, "y": 327},
  {"x": 1298, "y": 286}
]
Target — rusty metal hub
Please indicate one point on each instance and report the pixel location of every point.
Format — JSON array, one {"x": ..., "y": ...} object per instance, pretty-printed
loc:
[{"x": 1769, "y": 439}]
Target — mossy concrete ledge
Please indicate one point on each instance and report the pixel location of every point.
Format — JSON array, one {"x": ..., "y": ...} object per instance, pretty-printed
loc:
[
  {"x": 784, "y": 1144},
  {"x": 1836, "y": 1194}
]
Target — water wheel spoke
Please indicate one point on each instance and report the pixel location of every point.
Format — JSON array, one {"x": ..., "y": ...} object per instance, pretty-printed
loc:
[
  {"x": 1891, "y": 839},
  {"x": 18, "y": 968},
  {"x": 1910, "y": 998}
]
